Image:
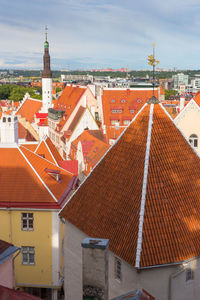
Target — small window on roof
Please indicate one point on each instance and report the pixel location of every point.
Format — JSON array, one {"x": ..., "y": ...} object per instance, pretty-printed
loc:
[
  {"x": 123, "y": 101},
  {"x": 139, "y": 101},
  {"x": 113, "y": 101},
  {"x": 4, "y": 119},
  {"x": 9, "y": 119}
]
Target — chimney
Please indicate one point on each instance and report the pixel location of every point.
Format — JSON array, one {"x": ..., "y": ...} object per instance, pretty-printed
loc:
[
  {"x": 182, "y": 103},
  {"x": 9, "y": 129},
  {"x": 95, "y": 268}
]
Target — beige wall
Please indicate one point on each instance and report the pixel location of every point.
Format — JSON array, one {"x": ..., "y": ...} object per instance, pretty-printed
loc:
[
  {"x": 189, "y": 121},
  {"x": 73, "y": 263}
]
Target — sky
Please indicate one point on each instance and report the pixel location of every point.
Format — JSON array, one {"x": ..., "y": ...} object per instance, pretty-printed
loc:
[{"x": 87, "y": 34}]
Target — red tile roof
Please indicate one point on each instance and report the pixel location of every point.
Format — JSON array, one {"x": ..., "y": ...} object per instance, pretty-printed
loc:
[
  {"x": 29, "y": 108},
  {"x": 108, "y": 203},
  {"x": 70, "y": 166},
  {"x": 23, "y": 133},
  {"x": 10, "y": 294},
  {"x": 24, "y": 181},
  {"x": 47, "y": 148},
  {"x": 130, "y": 101},
  {"x": 93, "y": 148},
  {"x": 4, "y": 245},
  {"x": 67, "y": 101}
]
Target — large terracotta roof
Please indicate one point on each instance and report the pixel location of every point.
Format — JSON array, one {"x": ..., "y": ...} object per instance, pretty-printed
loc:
[
  {"x": 144, "y": 194},
  {"x": 29, "y": 108},
  {"x": 67, "y": 101},
  {"x": 24, "y": 181},
  {"x": 129, "y": 101},
  {"x": 48, "y": 150}
]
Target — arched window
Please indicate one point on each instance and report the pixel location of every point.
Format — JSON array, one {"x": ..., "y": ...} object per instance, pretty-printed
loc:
[
  {"x": 9, "y": 119},
  {"x": 193, "y": 139},
  {"x": 4, "y": 119}
]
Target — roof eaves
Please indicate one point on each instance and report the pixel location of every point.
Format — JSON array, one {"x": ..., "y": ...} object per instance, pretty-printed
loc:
[
  {"x": 144, "y": 189},
  {"x": 8, "y": 253},
  {"x": 37, "y": 173},
  {"x": 104, "y": 156}
]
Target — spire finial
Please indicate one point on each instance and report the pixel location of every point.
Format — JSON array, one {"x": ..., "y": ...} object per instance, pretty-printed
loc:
[
  {"x": 153, "y": 62},
  {"x": 46, "y": 32}
]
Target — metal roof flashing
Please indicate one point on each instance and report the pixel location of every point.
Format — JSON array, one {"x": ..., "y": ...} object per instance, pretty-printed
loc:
[{"x": 95, "y": 243}]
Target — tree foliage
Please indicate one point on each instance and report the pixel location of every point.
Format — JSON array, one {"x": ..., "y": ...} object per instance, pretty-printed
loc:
[
  {"x": 169, "y": 93},
  {"x": 16, "y": 92}
]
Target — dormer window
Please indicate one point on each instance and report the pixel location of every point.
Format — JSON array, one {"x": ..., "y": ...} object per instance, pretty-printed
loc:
[
  {"x": 9, "y": 119},
  {"x": 4, "y": 119},
  {"x": 193, "y": 139},
  {"x": 132, "y": 111},
  {"x": 123, "y": 101},
  {"x": 113, "y": 101},
  {"x": 139, "y": 101}
]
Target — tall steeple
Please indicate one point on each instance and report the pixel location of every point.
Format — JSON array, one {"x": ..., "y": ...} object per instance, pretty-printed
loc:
[{"x": 46, "y": 77}]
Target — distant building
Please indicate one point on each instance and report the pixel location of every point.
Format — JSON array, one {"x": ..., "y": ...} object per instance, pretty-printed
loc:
[{"x": 179, "y": 79}]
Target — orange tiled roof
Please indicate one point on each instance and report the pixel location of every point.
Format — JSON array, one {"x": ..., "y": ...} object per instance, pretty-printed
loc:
[
  {"x": 93, "y": 148},
  {"x": 129, "y": 101},
  {"x": 31, "y": 147},
  {"x": 20, "y": 182},
  {"x": 197, "y": 98},
  {"x": 29, "y": 108},
  {"x": 47, "y": 148},
  {"x": 67, "y": 101},
  {"x": 170, "y": 229}
]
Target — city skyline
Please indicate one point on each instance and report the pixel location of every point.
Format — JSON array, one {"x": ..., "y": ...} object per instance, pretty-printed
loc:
[{"x": 87, "y": 34}]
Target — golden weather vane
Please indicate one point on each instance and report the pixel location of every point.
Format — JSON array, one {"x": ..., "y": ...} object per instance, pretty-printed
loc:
[{"x": 153, "y": 62}]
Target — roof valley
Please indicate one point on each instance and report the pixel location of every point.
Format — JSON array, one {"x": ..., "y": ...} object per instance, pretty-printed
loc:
[{"x": 144, "y": 188}]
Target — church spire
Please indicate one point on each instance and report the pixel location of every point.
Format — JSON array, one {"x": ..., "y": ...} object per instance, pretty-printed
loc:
[
  {"x": 46, "y": 78},
  {"x": 46, "y": 58}
]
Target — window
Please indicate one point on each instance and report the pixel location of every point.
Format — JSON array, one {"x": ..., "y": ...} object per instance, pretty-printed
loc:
[
  {"x": 28, "y": 255},
  {"x": 113, "y": 122},
  {"x": 126, "y": 122},
  {"x": 27, "y": 221},
  {"x": 193, "y": 139},
  {"x": 112, "y": 100},
  {"x": 117, "y": 271},
  {"x": 132, "y": 111},
  {"x": 189, "y": 274},
  {"x": 139, "y": 101},
  {"x": 123, "y": 101},
  {"x": 118, "y": 111}
]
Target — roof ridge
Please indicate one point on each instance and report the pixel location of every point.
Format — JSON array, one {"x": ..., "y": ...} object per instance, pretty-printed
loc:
[
  {"x": 144, "y": 188},
  {"x": 50, "y": 152},
  {"x": 104, "y": 156},
  {"x": 50, "y": 192}
]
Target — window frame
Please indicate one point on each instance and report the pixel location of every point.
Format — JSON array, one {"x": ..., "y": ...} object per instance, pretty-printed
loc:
[
  {"x": 118, "y": 269},
  {"x": 193, "y": 140},
  {"x": 30, "y": 250},
  {"x": 189, "y": 275},
  {"x": 28, "y": 218}
]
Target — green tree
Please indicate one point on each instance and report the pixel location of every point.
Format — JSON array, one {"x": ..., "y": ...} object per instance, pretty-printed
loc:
[{"x": 169, "y": 93}]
